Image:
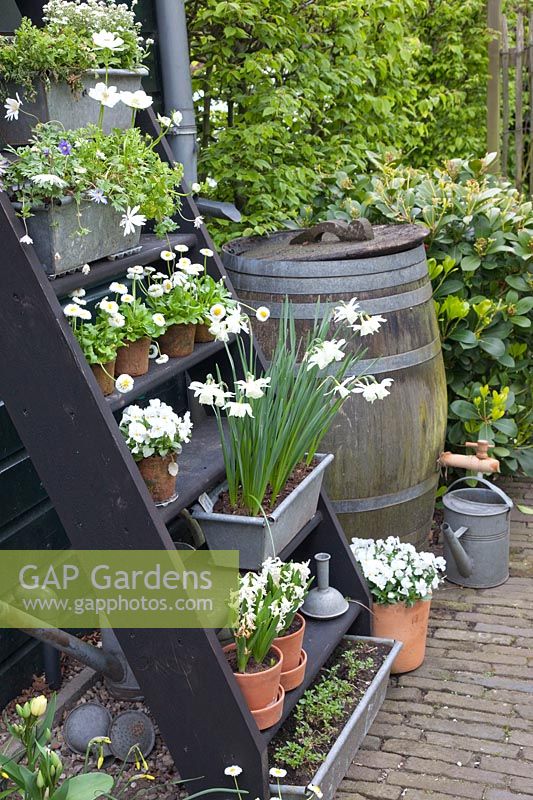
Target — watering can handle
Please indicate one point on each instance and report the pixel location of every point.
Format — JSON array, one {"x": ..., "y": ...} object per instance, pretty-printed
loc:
[{"x": 507, "y": 500}]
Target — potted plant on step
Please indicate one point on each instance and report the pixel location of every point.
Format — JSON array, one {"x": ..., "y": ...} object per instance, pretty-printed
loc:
[
  {"x": 213, "y": 297},
  {"x": 155, "y": 435},
  {"x": 173, "y": 297},
  {"x": 271, "y": 425},
  {"x": 293, "y": 580},
  {"x": 401, "y": 582},
  {"x": 53, "y": 72}
]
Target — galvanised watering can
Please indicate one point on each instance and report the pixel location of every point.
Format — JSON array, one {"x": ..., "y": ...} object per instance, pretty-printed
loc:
[{"x": 476, "y": 532}]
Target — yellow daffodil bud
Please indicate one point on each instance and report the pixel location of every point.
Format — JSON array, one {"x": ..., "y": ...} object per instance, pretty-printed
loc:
[
  {"x": 4, "y": 775},
  {"x": 26, "y": 711},
  {"x": 40, "y": 780},
  {"x": 19, "y": 710},
  {"x": 54, "y": 758},
  {"x": 38, "y": 706}
]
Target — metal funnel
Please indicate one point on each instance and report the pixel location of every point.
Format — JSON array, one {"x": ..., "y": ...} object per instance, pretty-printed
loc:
[{"x": 324, "y": 602}]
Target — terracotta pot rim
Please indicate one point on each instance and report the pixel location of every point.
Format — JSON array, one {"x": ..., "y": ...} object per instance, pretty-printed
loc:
[
  {"x": 247, "y": 675},
  {"x": 288, "y": 636},
  {"x": 270, "y": 709},
  {"x": 302, "y": 661},
  {"x": 403, "y": 603}
]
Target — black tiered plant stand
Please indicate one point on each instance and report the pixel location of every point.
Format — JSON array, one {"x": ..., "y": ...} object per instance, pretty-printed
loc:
[{"x": 73, "y": 439}]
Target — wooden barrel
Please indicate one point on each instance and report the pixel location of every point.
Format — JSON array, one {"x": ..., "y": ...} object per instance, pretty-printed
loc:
[{"x": 384, "y": 477}]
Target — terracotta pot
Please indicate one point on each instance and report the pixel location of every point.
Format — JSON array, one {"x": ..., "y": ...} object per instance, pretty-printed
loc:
[
  {"x": 203, "y": 335},
  {"x": 178, "y": 341},
  {"x": 161, "y": 485},
  {"x": 291, "y": 646},
  {"x": 407, "y": 624},
  {"x": 104, "y": 374},
  {"x": 294, "y": 677},
  {"x": 132, "y": 358},
  {"x": 268, "y": 716},
  {"x": 260, "y": 689}
]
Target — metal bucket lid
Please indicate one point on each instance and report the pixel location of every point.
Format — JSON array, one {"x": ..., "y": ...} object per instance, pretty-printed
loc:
[
  {"x": 475, "y": 502},
  {"x": 387, "y": 239}
]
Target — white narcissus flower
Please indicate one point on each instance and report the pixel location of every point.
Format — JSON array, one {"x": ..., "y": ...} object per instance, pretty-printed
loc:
[
  {"x": 159, "y": 320},
  {"x": 262, "y": 313},
  {"x": 253, "y": 387},
  {"x": 118, "y": 288},
  {"x": 236, "y": 321},
  {"x": 167, "y": 255},
  {"x": 173, "y": 469},
  {"x": 323, "y": 354},
  {"x": 138, "y": 100},
  {"x": 233, "y": 771},
  {"x": 47, "y": 179},
  {"x": 218, "y": 311},
  {"x": 238, "y": 409},
  {"x": 162, "y": 359},
  {"x": 12, "y": 107},
  {"x": 368, "y": 325},
  {"x": 210, "y": 393},
  {"x": 131, "y": 220},
  {"x": 347, "y": 312},
  {"x": 372, "y": 391},
  {"x": 108, "y": 96},
  {"x": 106, "y": 40},
  {"x": 124, "y": 383},
  {"x": 26, "y": 239},
  {"x": 219, "y": 330},
  {"x": 205, "y": 251}
]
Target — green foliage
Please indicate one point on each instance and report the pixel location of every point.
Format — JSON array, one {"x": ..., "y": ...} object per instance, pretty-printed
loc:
[
  {"x": 179, "y": 306},
  {"x": 480, "y": 248},
  {"x": 209, "y": 292},
  {"x": 98, "y": 340}
]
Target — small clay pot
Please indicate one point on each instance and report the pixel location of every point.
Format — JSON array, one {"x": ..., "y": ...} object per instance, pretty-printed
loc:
[
  {"x": 260, "y": 689},
  {"x": 104, "y": 374},
  {"x": 178, "y": 341},
  {"x": 268, "y": 716},
  {"x": 291, "y": 646},
  {"x": 294, "y": 677},
  {"x": 132, "y": 358},
  {"x": 161, "y": 484},
  {"x": 203, "y": 335},
  {"x": 408, "y": 624}
]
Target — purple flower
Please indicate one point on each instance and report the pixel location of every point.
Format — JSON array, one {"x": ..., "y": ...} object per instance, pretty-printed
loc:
[
  {"x": 46, "y": 151},
  {"x": 97, "y": 196},
  {"x": 64, "y": 147}
]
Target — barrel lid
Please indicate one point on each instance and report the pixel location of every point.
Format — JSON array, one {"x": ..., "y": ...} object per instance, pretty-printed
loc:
[{"x": 387, "y": 239}]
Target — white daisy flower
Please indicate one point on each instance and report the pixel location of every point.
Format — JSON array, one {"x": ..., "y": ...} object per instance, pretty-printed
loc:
[
  {"x": 218, "y": 311},
  {"x": 276, "y": 772},
  {"x": 262, "y": 313},
  {"x": 159, "y": 320},
  {"x": 233, "y": 771},
  {"x": 167, "y": 255},
  {"x": 181, "y": 248},
  {"x": 205, "y": 251},
  {"x": 124, "y": 383},
  {"x": 118, "y": 288}
]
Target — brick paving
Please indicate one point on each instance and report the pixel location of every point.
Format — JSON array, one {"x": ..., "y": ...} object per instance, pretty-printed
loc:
[{"x": 461, "y": 726}]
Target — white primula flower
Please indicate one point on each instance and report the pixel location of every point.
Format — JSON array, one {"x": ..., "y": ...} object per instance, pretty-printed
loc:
[
  {"x": 325, "y": 353},
  {"x": 162, "y": 359},
  {"x": 118, "y": 288},
  {"x": 262, "y": 314},
  {"x": 46, "y": 179},
  {"x": 253, "y": 387},
  {"x": 238, "y": 409},
  {"x": 368, "y": 325},
  {"x": 167, "y": 255},
  {"x": 205, "y": 251},
  {"x": 210, "y": 393},
  {"x": 173, "y": 469},
  {"x": 233, "y": 771},
  {"x": 127, "y": 298},
  {"x": 124, "y": 383},
  {"x": 108, "y": 306},
  {"x": 138, "y": 100},
  {"x": 159, "y": 320},
  {"x": 218, "y": 311},
  {"x": 106, "y": 40},
  {"x": 131, "y": 220},
  {"x": 347, "y": 312},
  {"x": 12, "y": 107},
  {"x": 165, "y": 122},
  {"x": 26, "y": 239},
  {"x": 108, "y": 96}
]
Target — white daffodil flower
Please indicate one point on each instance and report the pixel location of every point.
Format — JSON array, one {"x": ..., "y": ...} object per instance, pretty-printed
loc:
[
  {"x": 124, "y": 383},
  {"x": 47, "y": 179},
  {"x": 108, "y": 96},
  {"x": 368, "y": 325},
  {"x": 106, "y": 40},
  {"x": 325, "y": 354},
  {"x": 131, "y": 220},
  {"x": 238, "y": 409},
  {"x": 262, "y": 313},
  {"x": 159, "y": 320},
  {"x": 12, "y": 107},
  {"x": 347, "y": 312},
  {"x": 209, "y": 393},
  {"x": 138, "y": 100},
  {"x": 253, "y": 387},
  {"x": 118, "y": 288}
]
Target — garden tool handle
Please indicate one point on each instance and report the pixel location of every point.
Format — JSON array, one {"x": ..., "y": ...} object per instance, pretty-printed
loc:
[{"x": 506, "y": 499}]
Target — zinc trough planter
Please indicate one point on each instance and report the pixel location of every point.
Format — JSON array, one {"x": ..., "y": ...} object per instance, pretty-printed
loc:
[
  {"x": 73, "y": 110},
  {"x": 60, "y": 248},
  {"x": 252, "y": 536},
  {"x": 337, "y": 762}
]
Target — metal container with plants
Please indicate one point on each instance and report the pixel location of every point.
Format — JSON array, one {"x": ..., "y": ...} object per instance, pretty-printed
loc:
[{"x": 274, "y": 425}]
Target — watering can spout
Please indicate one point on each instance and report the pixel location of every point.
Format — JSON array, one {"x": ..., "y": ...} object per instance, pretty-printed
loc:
[{"x": 461, "y": 558}]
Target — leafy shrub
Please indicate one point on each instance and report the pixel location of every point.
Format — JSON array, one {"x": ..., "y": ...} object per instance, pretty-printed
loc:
[{"x": 480, "y": 249}]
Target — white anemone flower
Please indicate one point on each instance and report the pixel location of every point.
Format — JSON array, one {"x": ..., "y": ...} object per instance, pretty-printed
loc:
[
  {"x": 238, "y": 409},
  {"x": 165, "y": 122},
  {"x": 12, "y": 107},
  {"x": 233, "y": 771},
  {"x": 325, "y": 354},
  {"x": 369, "y": 325},
  {"x": 253, "y": 387},
  {"x": 47, "y": 179},
  {"x": 218, "y": 311},
  {"x": 159, "y": 320},
  {"x": 138, "y": 100},
  {"x": 131, "y": 220},
  {"x": 118, "y": 288},
  {"x": 124, "y": 383},
  {"x": 262, "y": 314},
  {"x": 106, "y": 40},
  {"x": 176, "y": 117},
  {"x": 108, "y": 96}
]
